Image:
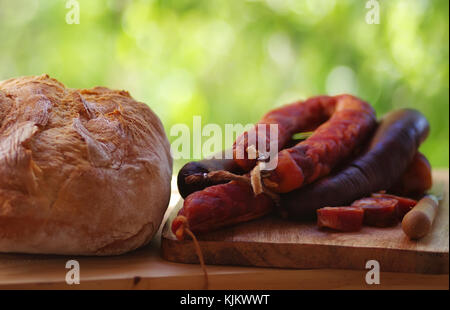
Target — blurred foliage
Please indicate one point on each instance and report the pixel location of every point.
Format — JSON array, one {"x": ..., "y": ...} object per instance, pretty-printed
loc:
[{"x": 231, "y": 61}]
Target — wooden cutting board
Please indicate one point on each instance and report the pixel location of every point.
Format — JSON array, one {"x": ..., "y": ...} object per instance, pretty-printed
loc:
[{"x": 273, "y": 242}]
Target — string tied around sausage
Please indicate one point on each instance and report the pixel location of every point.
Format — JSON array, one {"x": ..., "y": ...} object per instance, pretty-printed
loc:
[
  {"x": 221, "y": 176},
  {"x": 184, "y": 228}
]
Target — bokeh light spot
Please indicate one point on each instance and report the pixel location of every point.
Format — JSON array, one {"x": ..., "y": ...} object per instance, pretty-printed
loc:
[{"x": 341, "y": 80}]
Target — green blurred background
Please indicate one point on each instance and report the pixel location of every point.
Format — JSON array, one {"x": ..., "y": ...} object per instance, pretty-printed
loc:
[{"x": 232, "y": 60}]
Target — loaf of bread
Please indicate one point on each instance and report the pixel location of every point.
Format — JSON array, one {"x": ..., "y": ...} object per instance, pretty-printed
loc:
[{"x": 82, "y": 172}]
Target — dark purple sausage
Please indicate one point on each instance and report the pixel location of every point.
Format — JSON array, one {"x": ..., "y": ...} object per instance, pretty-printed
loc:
[
  {"x": 389, "y": 153},
  {"x": 201, "y": 167}
]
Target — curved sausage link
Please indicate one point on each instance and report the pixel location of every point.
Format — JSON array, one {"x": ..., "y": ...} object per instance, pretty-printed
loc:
[
  {"x": 200, "y": 168},
  {"x": 351, "y": 122},
  {"x": 391, "y": 150},
  {"x": 292, "y": 118},
  {"x": 416, "y": 180},
  {"x": 219, "y": 206},
  {"x": 300, "y": 116}
]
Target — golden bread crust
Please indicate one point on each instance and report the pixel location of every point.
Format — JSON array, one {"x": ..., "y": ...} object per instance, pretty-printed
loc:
[{"x": 82, "y": 172}]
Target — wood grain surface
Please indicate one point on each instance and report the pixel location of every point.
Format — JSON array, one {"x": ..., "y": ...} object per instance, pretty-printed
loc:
[{"x": 274, "y": 242}]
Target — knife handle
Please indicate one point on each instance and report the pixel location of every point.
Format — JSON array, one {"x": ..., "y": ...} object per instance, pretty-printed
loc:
[{"x": 417, "y": 222}]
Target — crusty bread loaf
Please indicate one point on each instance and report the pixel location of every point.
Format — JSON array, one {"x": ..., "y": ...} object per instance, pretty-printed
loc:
[{"x": 81, "y": 171}]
